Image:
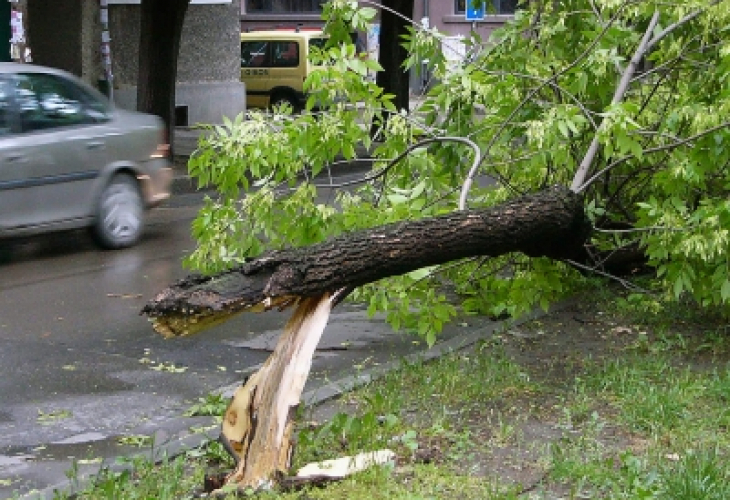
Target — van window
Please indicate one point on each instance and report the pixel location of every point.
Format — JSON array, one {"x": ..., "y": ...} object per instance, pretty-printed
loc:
[
  {"x": 285, "y": 54},
  {"x": 254, "y": 54}
]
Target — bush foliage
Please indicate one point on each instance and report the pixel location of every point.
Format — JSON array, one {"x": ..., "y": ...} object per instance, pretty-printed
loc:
[{"x": 523, "y": 108}]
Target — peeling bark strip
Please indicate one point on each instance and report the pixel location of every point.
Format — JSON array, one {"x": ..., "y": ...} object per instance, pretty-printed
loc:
[
  {"x": 548, "y": 223},
  {"x": 258, "y": 422}
]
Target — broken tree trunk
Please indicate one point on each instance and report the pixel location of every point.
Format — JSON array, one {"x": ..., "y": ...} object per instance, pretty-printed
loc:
[
  {"x": 257, "y": 424},
  {"x": 549, "y": 223}
]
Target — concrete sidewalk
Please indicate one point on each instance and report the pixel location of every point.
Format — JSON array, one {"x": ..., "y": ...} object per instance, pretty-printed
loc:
[{"x": 185, "y": 143}]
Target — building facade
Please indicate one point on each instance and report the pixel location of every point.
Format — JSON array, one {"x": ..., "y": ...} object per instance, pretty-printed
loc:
[
  {"x": 448, "y": 16},
  {"x": 68, "y": 35},
  {"x": 209, "y": 65}
]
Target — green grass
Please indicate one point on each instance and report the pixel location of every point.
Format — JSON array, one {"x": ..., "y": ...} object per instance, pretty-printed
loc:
[
  {"x": 646, "y": 418},
  {"x": 171, "y": 479}
]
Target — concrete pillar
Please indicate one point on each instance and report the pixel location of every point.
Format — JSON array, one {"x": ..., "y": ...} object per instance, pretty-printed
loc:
[
  {"x": 209, "y": 65},
  {"x": 67, "y": 35},
  {"x": 54, "y": 29}
]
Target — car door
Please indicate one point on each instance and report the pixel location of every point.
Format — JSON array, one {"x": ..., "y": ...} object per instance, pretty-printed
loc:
[
  {"x": 255, "y": 57},
  {"x": 61, "y": 152},
  {"x": 16, "y": 203},
  {"x": 287, "y": 70}
]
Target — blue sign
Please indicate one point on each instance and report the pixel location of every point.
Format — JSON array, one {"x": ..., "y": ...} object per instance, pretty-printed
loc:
[{"x": 472, "y": 13}]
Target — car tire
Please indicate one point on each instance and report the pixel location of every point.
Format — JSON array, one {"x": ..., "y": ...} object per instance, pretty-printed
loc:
[
  {"x": 120, "y": 209},
  {"x": 277, "y": 100}
]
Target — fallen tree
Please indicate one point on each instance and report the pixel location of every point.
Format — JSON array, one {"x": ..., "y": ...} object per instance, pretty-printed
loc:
[
  {"x": 257, "y": 425},
  {"x": 511, "y": 248},
  {"x": 549, "y": 223}
]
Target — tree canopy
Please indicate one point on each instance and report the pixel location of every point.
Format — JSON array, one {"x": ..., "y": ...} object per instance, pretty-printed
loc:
[{"x": 561, "y": 95}]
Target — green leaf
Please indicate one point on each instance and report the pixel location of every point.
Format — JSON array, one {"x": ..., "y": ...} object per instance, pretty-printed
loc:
[
  {"x": 368, "y": 13},
  {"x": 419, "y": 274},
  {"x": 397, "y": 199},
  {"x": 725, "y": 290}
]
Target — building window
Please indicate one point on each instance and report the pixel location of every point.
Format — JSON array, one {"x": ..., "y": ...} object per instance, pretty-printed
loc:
[
  {"x": 283, "y": 6},
  {"x": 492, "y": 6}
]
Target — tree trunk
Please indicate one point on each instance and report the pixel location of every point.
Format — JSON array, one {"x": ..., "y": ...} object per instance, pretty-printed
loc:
[
  {"x": 258, "y": 422},
  {"x": 394, "y": 79},
  {"x": 161, "y": 29},
  {"x": 257, "y": 425},
  {"x": 549, "y": 223}
]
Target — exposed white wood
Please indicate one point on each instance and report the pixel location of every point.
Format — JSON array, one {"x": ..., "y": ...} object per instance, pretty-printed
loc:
[
  {"x": 258, "y": 424},
  {"x": 345, "y": 466}
]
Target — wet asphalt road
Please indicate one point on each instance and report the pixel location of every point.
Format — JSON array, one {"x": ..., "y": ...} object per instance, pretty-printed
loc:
[
  {"x": 73, "y": 347},
  {"x": 80, "y": 367}
]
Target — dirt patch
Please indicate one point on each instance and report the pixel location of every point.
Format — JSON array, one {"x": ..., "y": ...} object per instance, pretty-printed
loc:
[{"x": 552, "y": 351}]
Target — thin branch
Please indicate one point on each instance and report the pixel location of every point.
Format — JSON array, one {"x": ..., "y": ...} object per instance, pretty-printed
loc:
[
  {"x": 394, "y": 161},
  {"x": 618, "y": 95},
  {"x": 649, "y": 151},
  {"x": 682, "y": 56},
  {"x": 528, "y": 98},
  {"x": 689, "y": 17},
  {"x": 550, "y": 82},
  {"x": 394, "y": 12},
  {"x": 638, "y": 229},
  {"x": 373, "y": 176},
  {"x": 512, "y": 161},
  {"x": 647, "y": 42},
  {"x": 626, "y": 283}
]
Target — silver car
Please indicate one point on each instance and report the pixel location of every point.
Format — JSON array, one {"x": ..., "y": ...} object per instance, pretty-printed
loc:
[{"x": 69, "y": 159}]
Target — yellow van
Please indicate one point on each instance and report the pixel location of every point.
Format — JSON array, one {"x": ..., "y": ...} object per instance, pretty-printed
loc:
[{"x": 274, "y": 65}]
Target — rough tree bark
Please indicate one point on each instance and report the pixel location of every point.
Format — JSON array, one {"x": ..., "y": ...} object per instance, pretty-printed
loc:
[
  {"x": 161, "y": 26},
  {"x": 257, "y": 426},
  {"x": 549, "y": 223}
]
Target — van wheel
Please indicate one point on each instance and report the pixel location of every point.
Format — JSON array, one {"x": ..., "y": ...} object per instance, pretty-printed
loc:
[
  {"x": 279, "y": 100},
  {"x": 119, "y": 213}
]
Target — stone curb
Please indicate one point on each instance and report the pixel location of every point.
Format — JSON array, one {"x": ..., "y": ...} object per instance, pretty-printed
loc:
[{"x": 177, "y": 446}]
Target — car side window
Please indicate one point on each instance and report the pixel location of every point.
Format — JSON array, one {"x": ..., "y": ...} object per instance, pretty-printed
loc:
[
  {"x": 6, "y": 109},
  {"x": 254, "y": 54},
  {"x": 285, "y": 54},
  {"x": 49, "y": 101}
]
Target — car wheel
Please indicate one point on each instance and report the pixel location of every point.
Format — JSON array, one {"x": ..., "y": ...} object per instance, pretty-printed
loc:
[
  {"x": 279, "y": 100},
  {"x": 120, "y": 213}
]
